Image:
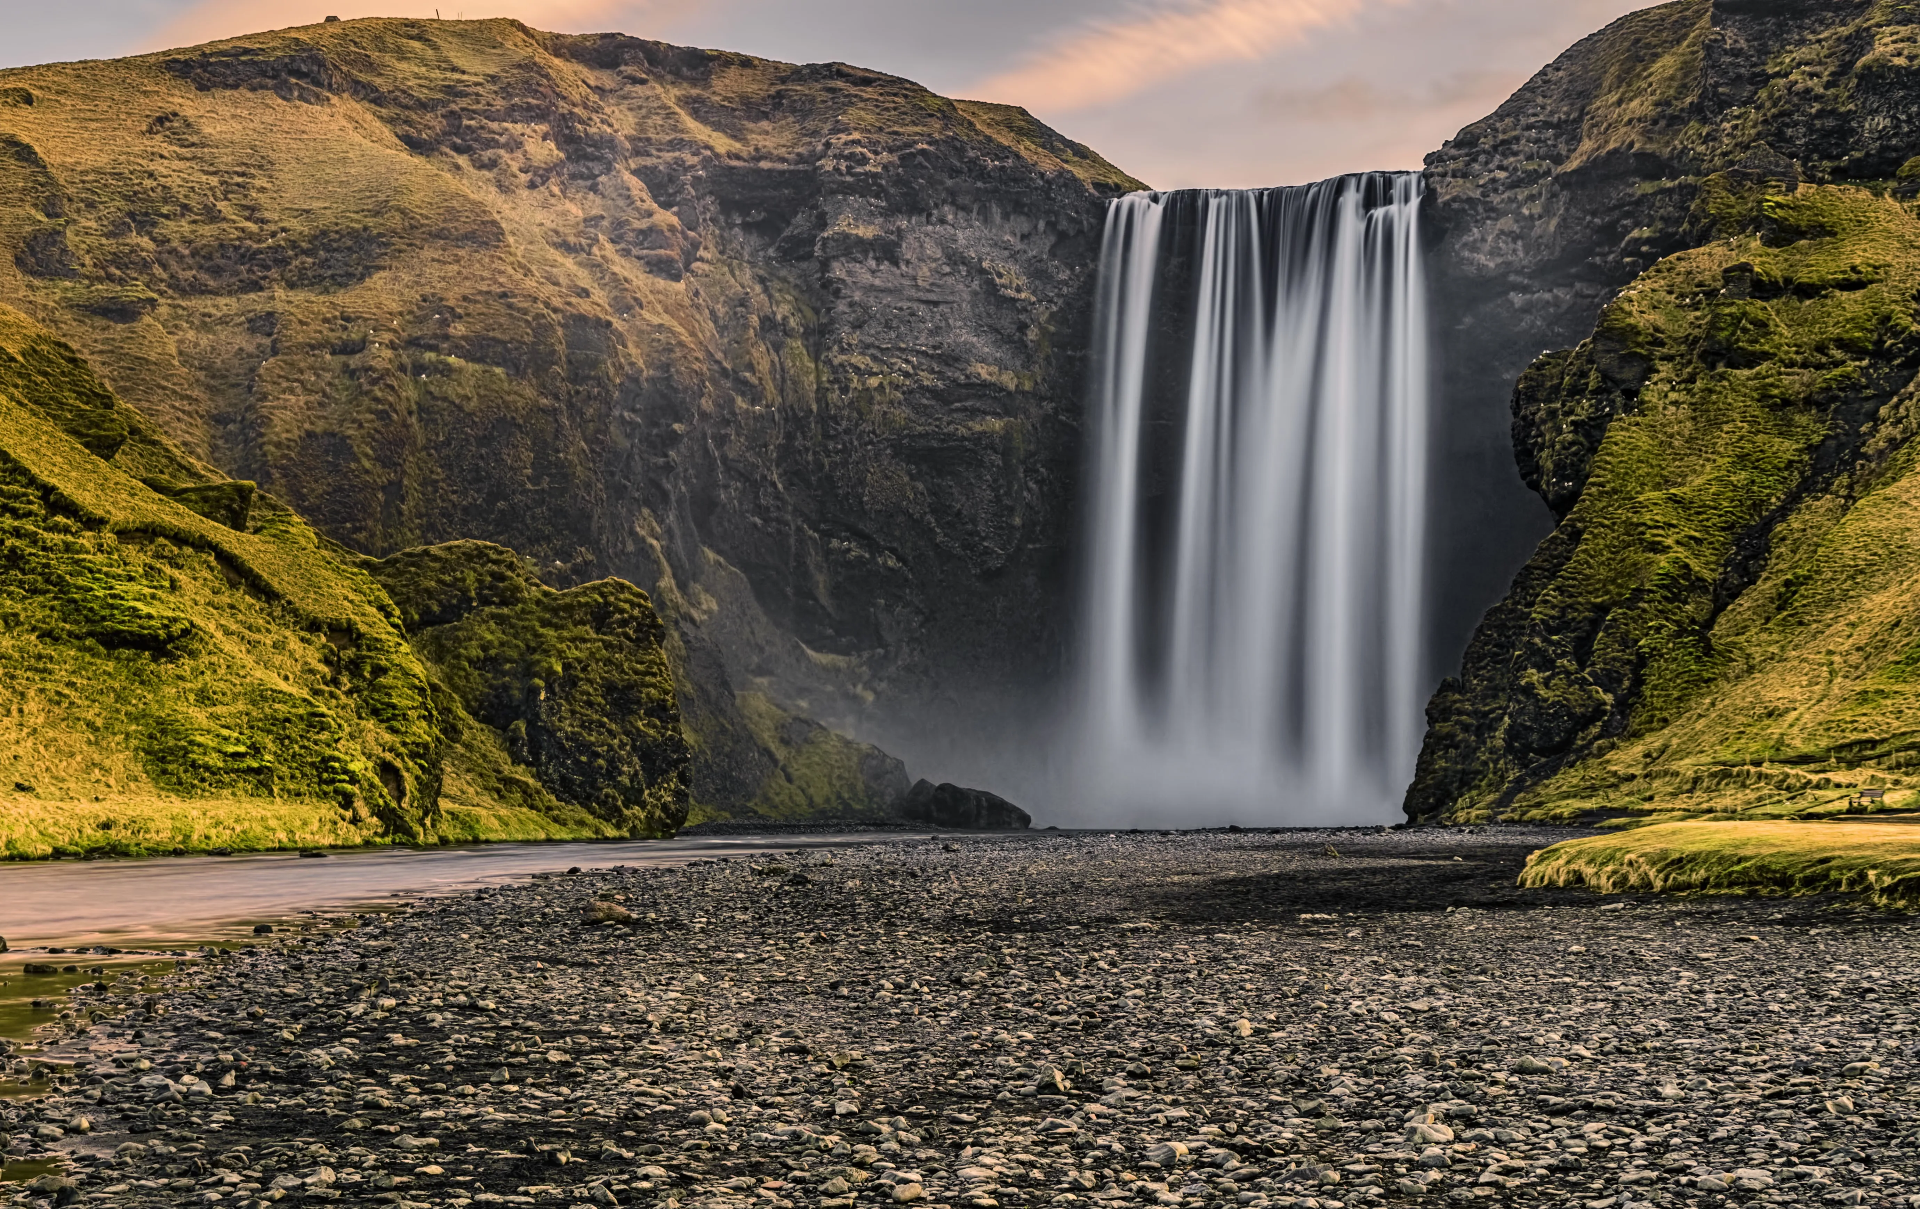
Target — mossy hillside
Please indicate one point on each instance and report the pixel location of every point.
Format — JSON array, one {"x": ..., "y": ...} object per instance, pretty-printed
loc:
[
  {"x": 142, "y": 666},
  {"x": 575, "y": 682},
  {"x": 1722, "y": 622},
  {"x": 1878, "y": 861},
  {"x": 818, "y": 772},
  {"x": 177, "y": 682}
]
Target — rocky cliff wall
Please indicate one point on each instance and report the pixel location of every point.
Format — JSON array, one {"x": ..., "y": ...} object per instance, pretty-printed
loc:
[
  {"x": 797, "y": 348},
  {"x": 1706, "y": 208}
]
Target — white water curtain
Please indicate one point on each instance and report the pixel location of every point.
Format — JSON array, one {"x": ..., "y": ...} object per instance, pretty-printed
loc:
[{"x": 1251, "y": 634}]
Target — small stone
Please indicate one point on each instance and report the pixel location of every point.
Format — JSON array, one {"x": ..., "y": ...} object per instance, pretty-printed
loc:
[
  {"x": 599, "y": 911},
  {"x": 907, "y": 1193}
]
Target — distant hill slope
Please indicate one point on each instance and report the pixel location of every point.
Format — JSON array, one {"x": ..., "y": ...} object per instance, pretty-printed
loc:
[
  {"x": 795, "y": 347},
  {"x": 1714, "y": 204},
  {"x": 187, "y": 664}
]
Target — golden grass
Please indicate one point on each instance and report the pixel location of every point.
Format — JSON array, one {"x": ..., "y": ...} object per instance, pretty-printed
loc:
[
  {"x": 32, "y": 828},
  {"x": 1880, "y": 860}
]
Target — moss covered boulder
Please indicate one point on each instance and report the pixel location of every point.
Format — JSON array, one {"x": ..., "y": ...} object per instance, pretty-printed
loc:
[{"x": 575, "y": 682}]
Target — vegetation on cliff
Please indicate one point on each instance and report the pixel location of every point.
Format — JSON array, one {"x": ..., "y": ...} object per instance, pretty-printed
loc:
[
  {"x": 1595, "y": 170},
  {"x": 1726, "y": 619},
  {"x": 179, "y": 680},
  {"x": 1720, "y": 197}
]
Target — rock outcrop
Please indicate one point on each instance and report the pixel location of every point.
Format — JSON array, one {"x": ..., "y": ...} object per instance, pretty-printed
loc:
[
  {"x": 575, "y": 681},
  {"x": 795, "y": 348},
  {"x": 1707, "y": 207},
  {"x": 949, "y": 805}
]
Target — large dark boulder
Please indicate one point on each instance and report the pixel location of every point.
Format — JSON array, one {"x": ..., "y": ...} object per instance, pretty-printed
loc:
[{"x": 949, "y": 805}]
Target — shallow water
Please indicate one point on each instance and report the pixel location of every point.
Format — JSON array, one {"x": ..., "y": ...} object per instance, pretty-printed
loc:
[
  {"x": 150, "y": 910},
  {"x": 171, "y": 902}
]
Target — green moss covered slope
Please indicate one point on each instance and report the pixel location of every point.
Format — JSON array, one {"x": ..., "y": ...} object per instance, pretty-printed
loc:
[
  {"x": 185, "y": 672},
  {"x": 1726, "y": 622}
]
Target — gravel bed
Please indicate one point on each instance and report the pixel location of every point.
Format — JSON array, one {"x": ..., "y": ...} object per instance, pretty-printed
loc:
[{"x": 1202, "y": 1020}]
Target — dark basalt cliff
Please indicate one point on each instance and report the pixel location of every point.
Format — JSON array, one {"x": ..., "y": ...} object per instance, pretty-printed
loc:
[
  {"x": 1706, "y": 206},
  {"x": 796, "y": 348}
]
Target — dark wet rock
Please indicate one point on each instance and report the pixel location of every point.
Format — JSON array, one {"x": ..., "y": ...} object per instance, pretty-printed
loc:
[{"x": 948, "y": 805}]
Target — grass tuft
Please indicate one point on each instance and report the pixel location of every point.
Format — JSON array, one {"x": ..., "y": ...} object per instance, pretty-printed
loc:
[{"x": 1879, "y": 860}]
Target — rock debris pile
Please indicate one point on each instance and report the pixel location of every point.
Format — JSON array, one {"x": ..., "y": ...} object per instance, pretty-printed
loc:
[{"x": 1200, "y": 1020}]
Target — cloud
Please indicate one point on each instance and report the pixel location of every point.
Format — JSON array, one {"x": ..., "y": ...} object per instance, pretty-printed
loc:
[
  {"x": 211, "y": 20},
  {"x": 1356, "y": 100},
  {"x": 1108, "y": 60}
]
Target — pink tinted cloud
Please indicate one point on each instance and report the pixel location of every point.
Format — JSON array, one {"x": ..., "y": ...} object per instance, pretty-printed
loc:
[{"x": 1108, "y": 60}]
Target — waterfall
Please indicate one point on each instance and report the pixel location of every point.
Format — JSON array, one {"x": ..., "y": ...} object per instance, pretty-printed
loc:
[{"x": 1251, "y": 631}]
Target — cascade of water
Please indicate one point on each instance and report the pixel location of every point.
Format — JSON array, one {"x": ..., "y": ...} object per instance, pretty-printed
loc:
[{"x": 1251, "y": 631}]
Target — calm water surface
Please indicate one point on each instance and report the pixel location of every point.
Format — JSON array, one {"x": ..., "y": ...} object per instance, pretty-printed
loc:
[
  {"x": 168, "y": 902},
  {"x": 169, "y": 905}
]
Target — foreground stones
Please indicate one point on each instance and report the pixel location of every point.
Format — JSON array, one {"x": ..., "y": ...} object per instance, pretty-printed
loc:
[{"x": 1200, "y": 1020}]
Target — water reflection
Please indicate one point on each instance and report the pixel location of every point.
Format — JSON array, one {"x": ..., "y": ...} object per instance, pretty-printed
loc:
[
  {"x": 167, "y": 903},
  {"x": 113, "y": 924}
]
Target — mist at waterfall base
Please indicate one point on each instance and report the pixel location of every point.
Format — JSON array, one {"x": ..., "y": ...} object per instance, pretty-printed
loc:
[{"x": 1249, "y": 641}]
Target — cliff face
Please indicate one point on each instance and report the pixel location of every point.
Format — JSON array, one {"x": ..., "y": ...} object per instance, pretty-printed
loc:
[
  {"x": 794, "y": 347},
  {"x": 1706, "y": 206},
  {"x": 187, "y": 664}
]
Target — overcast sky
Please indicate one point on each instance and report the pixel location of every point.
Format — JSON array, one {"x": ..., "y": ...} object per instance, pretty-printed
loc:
[{"x": 1178, "y": 92}]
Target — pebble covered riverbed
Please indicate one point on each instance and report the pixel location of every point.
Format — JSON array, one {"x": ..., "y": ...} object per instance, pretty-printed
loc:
[{"x": 1203, "y": 1020}]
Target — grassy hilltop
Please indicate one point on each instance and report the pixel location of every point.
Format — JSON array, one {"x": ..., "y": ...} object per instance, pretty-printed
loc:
[{"x": 189, "y": 665}]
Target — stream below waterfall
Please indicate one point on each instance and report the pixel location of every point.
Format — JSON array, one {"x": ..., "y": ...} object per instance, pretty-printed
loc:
[{"x": 86, "y": 917}]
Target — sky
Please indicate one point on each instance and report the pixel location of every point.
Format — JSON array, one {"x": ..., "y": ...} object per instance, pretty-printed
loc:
[{"x": 1180, "y": 93}]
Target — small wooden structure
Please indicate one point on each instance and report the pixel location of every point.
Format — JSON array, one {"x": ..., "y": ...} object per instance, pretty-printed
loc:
[{"x": 1868, "y": 796}]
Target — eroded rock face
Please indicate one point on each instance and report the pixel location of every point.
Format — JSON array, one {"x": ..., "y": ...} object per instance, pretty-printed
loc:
[
  {"x": 1706, "y": 206},
  {"x": 795, "y": 348}
]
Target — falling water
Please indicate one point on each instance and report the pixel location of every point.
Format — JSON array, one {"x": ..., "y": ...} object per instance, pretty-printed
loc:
[{"x": 1254, "y": 609}]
